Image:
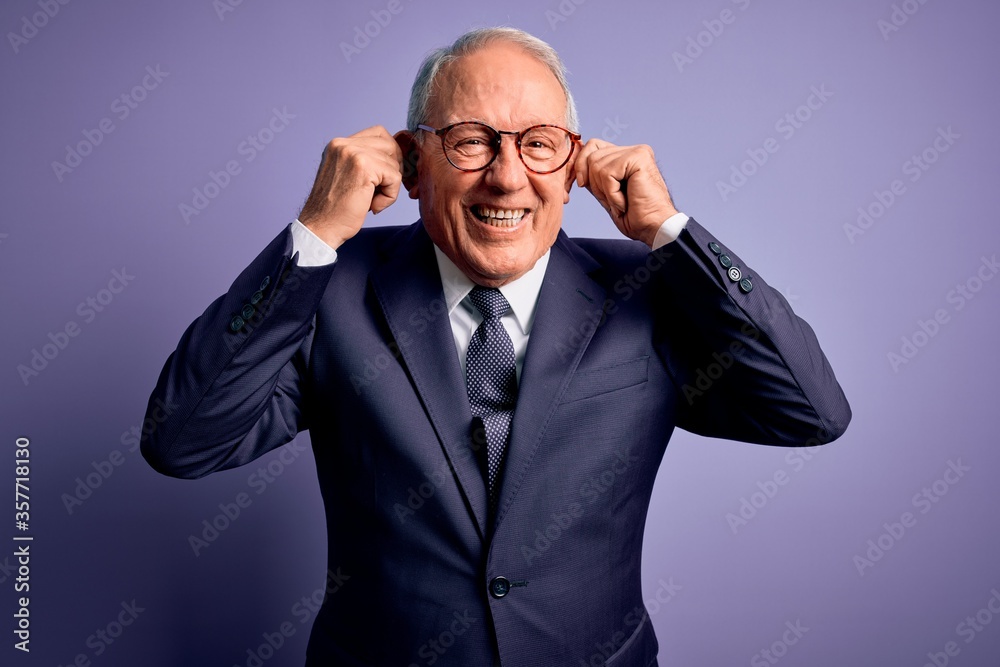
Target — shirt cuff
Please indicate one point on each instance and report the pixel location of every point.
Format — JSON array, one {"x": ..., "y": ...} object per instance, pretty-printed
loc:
[
  {"x": 313, "y": 251},
  {"x": 670, "y": 230}
]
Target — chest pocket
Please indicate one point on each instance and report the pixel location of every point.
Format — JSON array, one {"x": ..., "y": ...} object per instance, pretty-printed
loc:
[{"x": 592, "y": 382}]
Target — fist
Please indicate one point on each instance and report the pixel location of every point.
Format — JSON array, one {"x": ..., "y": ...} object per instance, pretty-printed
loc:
[
  {"x": 628, "y": 184},
  {"x": 359, "y": 173}
]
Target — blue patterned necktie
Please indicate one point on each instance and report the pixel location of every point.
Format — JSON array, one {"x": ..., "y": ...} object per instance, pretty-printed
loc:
[{"x": 491, "y": 379}]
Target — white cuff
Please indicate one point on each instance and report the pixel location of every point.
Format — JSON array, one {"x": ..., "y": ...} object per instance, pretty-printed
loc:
[
  {"x": 313, "y": 251},
  {"x": 670, "y": 230}
]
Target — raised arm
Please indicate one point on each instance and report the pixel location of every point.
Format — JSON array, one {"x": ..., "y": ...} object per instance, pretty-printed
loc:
[
  {"x": 746, "y": 366},
  {"x": 235, "y": 383}
]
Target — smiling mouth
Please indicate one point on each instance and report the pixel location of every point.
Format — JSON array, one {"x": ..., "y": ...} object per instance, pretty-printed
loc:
[{"x": 499, "y": 217}]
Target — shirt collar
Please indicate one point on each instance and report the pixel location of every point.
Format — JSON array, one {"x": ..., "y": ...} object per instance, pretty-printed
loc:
[{"x": 521, "y": 294}]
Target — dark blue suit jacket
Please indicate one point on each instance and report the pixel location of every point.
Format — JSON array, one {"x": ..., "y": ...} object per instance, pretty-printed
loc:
[{"x": 626, "y": 345}]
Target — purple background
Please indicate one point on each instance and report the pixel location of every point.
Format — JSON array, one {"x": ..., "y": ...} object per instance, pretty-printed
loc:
[{"x": 60, "y": 241}]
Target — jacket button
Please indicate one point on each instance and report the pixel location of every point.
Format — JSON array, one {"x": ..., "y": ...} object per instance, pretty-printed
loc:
[
  {"x": 735, "y": 274},
  {"x": 499, "y": 587},
  {"x": 264, "y": 283},
  {"x": 726, "y": 261},
  {"x": 236, "y": 324},
  {"x": 257, "y": 296},
  {"x": 248, "y": 311},
  {"x": 746, "y": 285},
  {"x": 714, "y": 247}
]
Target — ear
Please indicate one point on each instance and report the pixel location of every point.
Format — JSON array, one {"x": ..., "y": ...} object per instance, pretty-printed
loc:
[
  {"x": 570, "y": 176},
  {"x": 407, "y": 142}
]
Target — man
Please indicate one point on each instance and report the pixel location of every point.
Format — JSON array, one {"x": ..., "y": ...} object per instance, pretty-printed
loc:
[{"x": 488, "y": 400}]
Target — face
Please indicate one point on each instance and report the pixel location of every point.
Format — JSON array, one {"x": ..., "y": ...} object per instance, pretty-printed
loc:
[{"x": 493, "y": 224}]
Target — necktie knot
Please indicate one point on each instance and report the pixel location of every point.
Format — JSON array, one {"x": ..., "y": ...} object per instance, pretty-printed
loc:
[{"x": 490, "y": 303}]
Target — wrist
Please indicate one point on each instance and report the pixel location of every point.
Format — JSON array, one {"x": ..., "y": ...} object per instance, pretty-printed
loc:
[
  {"x": 650, "y": 231},
  {"x": 327, "y": 233}
]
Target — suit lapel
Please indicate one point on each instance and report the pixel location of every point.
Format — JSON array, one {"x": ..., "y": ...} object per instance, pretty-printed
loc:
[
  {"x": 405, "y": 283},
  {"x": 570, "y": 305}
]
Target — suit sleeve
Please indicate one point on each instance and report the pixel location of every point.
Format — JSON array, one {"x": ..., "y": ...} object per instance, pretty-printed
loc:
[
  {"x": 232, "y": 390},
  {"x": 746, "y": 367}
]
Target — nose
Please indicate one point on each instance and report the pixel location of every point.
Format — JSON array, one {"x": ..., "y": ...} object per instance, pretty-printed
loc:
[{"x": 507, "y": 173}]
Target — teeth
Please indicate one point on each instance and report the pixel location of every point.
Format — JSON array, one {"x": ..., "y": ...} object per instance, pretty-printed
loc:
[{"x": 496, "y": 215}]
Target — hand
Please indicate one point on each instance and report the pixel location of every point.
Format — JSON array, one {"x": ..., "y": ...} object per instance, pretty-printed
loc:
[
  {"x": 628, "y": 184},
  {"x": 359, "y": 173}
]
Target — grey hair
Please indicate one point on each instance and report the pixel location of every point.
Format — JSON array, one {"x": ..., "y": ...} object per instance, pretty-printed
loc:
[{"x": 423, "y": 86}]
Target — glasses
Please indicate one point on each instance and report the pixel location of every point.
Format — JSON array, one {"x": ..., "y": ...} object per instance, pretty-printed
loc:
[{"x": 473, "y": 146}]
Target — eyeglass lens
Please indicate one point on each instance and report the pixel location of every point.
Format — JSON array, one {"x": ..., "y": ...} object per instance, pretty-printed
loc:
[{"x": 473, "y": 145}]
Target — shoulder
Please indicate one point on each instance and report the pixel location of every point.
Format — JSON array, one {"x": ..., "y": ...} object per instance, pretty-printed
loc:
[
  {"x": 372, "y": 238},
  {"x": 373, "y": 245},
  {"x": 614, "y": 255}
]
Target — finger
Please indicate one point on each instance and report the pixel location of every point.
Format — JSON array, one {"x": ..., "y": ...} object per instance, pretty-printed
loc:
[
  {"x": 386, "y": 194},
  {"x": 384, "y": 145},
  {"x": 373, "y": 139},
  {"x": 390, "y": 162},
  {"x": 373, "y": 131},
  {"x": 583, "y": 162},
  {"x": 580, "y": 167},
  {"x": 390, "y": 178},
  {"x": 614, "y": 194},
  {"x": 597, "y": 150},
  {"x": 362, "y": 157},
  {"x": 603, "y": 182}
]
